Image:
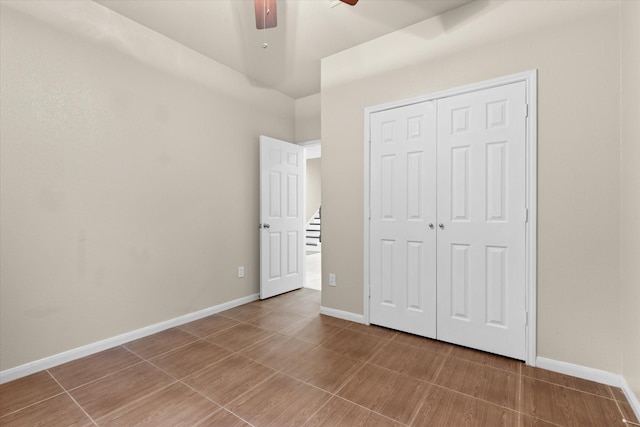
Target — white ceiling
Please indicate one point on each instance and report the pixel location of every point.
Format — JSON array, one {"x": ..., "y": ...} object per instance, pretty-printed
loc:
[{"x": 307, "y": 31}]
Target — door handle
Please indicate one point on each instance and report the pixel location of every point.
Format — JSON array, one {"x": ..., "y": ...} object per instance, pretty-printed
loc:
[
  {"x": 265, "y": 225},
  {"x": 441, "y": 225}
]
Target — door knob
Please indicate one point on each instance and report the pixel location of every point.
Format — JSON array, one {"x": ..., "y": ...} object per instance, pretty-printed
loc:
[
  {"x": 441, "y": 225},
  {"x": 265, "y": 225},
  {"x": 431, "y": 225}
]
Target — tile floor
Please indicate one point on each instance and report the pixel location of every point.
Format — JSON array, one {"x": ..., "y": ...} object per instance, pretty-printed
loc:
[
  {"x": 279, "y": 362},
  {"x": 314, "y": 270}
]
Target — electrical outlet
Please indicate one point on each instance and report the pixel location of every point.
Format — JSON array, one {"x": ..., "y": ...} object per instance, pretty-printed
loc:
[
  {"x": 332, "y": 279},
  {"x": 240, "y": 272}
]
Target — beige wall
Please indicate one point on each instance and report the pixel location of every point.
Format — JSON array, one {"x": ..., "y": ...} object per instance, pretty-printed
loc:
[
  {"x": 575, "y": 47},
  {"x": 314, "y": 187},
  {"x": 630, "y": 193},
  {"x": 129, "y": 178},
  {"x": 307, "y": 112}
]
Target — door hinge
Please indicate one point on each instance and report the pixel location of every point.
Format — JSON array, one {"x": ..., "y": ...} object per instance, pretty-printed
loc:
[
  {"x": 526, "y": 318},
  {"x": 526, "y": 110},
  {"x": 526, "y": 215}
]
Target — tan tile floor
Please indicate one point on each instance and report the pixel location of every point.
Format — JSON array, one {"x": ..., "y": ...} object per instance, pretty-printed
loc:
[{"x": 279, "y": 362}]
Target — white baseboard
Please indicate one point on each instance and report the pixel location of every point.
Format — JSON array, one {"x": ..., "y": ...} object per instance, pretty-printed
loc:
[
  {"x": 591, "y": 374},
  {"x": 86, "y": 350},
  {"x": 345, "y": 315}
]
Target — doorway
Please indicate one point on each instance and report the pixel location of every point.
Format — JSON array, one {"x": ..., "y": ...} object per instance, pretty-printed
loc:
[{"x": 313, "y": 209}]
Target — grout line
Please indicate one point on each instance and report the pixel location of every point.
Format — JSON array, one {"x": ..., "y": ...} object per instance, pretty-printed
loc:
[
  {"x": 570, "y": 388},
  {"x": 105, "y": 376},
  {"x": 196, "y": 339},
  {"x": 220, "y": 409},
  {"x": 74, "y": 400},
  {"x": 139, "y": 399},
  {"x": 332, "y": 394},
  {"x": 63, "y": 391},
  {"x": 520, "y": 392},
  {"x": 520, "y": 363}
]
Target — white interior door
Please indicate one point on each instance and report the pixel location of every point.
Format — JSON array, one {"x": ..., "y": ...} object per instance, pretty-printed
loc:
[
  {"x": 403, "y": 214},
  {"x": 282, "y": 169},
  {"x": 481, "y": 219}
]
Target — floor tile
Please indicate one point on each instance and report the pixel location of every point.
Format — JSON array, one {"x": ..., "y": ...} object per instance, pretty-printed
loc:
[
  {"x": 618, "y": 394},
  {"x": 443, "y": 407},
  {"x": 190, "y": 358},
  {"x": 175, "y": 405},
  {"x": 567, "y": 381},
  {"x": 245, "y": 312},
  {"x": 90, "y": 368},
  {"x": 306, "y": 307},
  {"x": 392, "y": 394},
  {"x": 488, "y": 359},
  {"x": 239, "y": 337},
  {"x": 208, "y": 325},
  {"x": 278, "y": 351},
  {"x": 627, "y": 412},
  {"x": 302, "y": 294},
  {"x": 229, "y": 378},
  {"x": 60, "y": 410},
  {"x": 279, "y": 401},
  {"x": 159, "y": 343},
  {"x": 374, "y": 330},
  {"x": 334, "y": 321},
  {"x": 321, "y": 371},
  {"x": 339, "y": 412},
  {"x": 112, "y": 392},
  {"x": 26, "y": 391},
  {"x": 480, "y": 381},
  {"x": 425, "y": 343},
  {"x": 324, "y": 368},
  {"x": 527, "y": 421},
  {"x": 273, "y": 304},
  {"x": 223, "y": 418},
  {"x": 413, "y": 361},
  {"x": 314, "y": 330},
  {"x": 354, "y": 344},
  {"x": 276, "y": 321},
  {"x": 567, "y": 407}
]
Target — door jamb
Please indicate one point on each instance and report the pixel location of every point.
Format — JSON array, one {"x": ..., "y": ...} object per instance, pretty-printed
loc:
[{"x": 531, "y": 284}]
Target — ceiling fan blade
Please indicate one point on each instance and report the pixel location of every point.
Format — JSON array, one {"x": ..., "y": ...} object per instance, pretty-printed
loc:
[
  {"x": 350, "y": 2},
  {"x": 266, "y": 14}
]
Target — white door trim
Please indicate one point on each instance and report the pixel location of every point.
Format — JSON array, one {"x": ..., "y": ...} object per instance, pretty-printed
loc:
[
  {"x": 530, "y": 79},
  {"x": 312, "y": 149}
]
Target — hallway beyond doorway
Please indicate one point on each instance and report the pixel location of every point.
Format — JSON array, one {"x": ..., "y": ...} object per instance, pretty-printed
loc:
[{"x": 313, "y": 279}]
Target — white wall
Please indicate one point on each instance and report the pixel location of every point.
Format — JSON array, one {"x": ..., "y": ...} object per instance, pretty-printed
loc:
[
  {"x": 307, "y": 112},
  {"x": 630, "y": 192},
  {"x": 576, "y": 48},
  {"x": 128, "y": 178}
]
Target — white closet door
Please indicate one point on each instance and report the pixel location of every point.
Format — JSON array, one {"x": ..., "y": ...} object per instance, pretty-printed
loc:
[
  {"x": 481, "y": 220},
  {"x": 402, "y": 245}
]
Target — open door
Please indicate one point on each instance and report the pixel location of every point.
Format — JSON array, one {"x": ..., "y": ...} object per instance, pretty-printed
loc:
[{"x": 282, "y": 172}]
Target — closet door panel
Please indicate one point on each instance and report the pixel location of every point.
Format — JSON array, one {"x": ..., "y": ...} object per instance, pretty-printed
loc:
[
  {"x": 481, "y": 210},
  {"x": 402, "y": 245}
]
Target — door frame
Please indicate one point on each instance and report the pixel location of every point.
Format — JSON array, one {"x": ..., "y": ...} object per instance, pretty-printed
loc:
[{"x": 530, "y": 79}]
